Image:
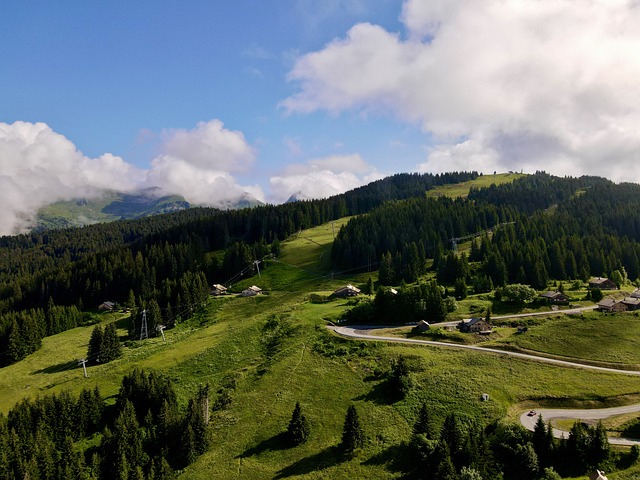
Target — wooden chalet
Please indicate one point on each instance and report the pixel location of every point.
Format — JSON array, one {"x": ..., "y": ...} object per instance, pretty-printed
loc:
[
  {"x": 602, "y": 283},
  {"x": 635, "y": 293},
  {"x": 218, "y": 289},
  {"x": 611, "y": 305},
  {"x": 423, "y": 325},
  {"x": 347, "y": 291},
  {"x": 252, "y": 291},
  {"x": 475, "y": 325},
  {"x": 107, "y": 306},
  {"x": 554, "y": 297},
  {"x": 632, "y": 303}
]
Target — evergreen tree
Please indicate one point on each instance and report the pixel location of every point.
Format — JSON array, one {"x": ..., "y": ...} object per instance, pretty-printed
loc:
[
  {"x": 298, "y": 429},
  {"x": 423, "y": 423},
  {"x": 110, "y": 347},
  {"x": 95, "y": 344},
  {"x": 352, "y": 432}
]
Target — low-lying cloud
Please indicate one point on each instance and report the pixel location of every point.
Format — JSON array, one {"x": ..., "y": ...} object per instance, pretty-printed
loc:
[
  {"x": 550, "y": 84},
  {"x": 40, "y": 166},
  {"x": 322, "y": 178}
]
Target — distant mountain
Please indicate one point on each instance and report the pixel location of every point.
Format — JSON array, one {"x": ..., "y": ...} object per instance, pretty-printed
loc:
[{"x": 110, "y": 206}]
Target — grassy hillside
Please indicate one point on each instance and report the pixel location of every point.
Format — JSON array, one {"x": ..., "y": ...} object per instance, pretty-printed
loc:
[
  {"x": 107, "y": 207},
  {"x": 462, "y": 189},
  {"x": 261, "y": 355}
]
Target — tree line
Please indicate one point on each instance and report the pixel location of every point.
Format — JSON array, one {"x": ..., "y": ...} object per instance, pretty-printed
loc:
[{"x": 145, "y": 435}]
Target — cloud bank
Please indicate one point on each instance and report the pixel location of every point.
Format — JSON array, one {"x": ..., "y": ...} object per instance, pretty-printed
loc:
[
  {"x": 512, "y": 85},
  {"x": 322, "y": 177},
  {"x": 40, "y": 166}
]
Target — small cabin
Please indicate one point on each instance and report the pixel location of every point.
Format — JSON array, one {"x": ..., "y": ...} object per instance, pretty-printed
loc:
[
  {"x": 108, "y": 306},
  {"x": 252, "y": 291},
  {"x": 218, "y": 289},
  {"x": 347, "y": 291},
  {"x": 602, "y": 283},
  {"x": 554, "y": 297}
]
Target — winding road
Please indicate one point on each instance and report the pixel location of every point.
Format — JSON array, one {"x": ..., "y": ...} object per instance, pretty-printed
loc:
[{"x": 363, "y": 332}]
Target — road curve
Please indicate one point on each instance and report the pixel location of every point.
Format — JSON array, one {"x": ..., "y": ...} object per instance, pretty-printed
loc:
[
  {"x": 361, "y": 332},
  {"x": 529, "y": 421}
]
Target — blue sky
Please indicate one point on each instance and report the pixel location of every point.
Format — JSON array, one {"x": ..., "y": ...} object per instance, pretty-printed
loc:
[
  {"x": 268, "y": 98},
  {"x": 107, "y": 75}
]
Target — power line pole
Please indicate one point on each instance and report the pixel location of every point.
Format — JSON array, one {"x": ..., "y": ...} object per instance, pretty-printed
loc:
[
  {"x": 143, "y": 327},
  {"x": 257, "y": 264},
  {"x": 83, "y": 362},
  {"x": 161, "y": 328}
]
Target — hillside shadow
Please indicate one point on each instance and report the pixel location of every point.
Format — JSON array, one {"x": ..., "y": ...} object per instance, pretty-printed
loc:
[
  {"x": 58, "y": 367},
  {"x": 277, "y": 442},
  {"x": 320, "y": 461},
  {"x": 396, "y": 459},
  {"x": 380, "y": 394}
]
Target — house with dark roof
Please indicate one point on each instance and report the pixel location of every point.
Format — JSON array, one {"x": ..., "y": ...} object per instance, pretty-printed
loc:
[
  {"x": 347, "y": 291},
  {"x": 602, "y": 283},
  {"x": 107, "y": 306},
  {"x": 611, "y": 305},
  {"x": 632, "y": 303},
  {"x": 554, "y": 297}
]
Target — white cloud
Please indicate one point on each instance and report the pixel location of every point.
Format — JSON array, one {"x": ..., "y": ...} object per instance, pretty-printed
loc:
[
  {"x": 550, "y": 84},
  {"x": 40, "y": 166},
  {"x": 322, "y": 177},
  {"x": 198, "y": 163},
  {"x": 210, "y": 146}
]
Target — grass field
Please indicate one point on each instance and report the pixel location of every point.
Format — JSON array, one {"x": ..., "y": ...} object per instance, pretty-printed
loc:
[
  {"x": 263, "y": 370},
  {"x": 462, "y": 189}
]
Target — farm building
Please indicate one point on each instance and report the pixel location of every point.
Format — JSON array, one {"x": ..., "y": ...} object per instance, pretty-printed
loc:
[
  {"x": 475, "y": 325},
  {"x": 107, "y": 306},
  {"x": 347, "y": 291},
  {"x": 632, "y": 303},
  {"x": 611, "y": 305},
  {"x": 252, "y": 291},
  {"x": 555, "y": 297},
  {"x": 218, "y": 289},
  {"x": 423, "y": 325},
  {"x": 602, "y": 283}
]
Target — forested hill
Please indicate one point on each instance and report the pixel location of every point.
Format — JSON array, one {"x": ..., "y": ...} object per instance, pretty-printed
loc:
[
  {"x": 164, "y": 259},
  {"x": 537, "y": 228}
]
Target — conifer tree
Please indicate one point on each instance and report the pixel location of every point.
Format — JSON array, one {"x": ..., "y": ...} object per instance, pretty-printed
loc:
[
  {"x": 352, "y": 432},
  {"x": 95, "y": 343},
  {"x": 298, "y": 430},
  {"x": 423, "y": 422}
]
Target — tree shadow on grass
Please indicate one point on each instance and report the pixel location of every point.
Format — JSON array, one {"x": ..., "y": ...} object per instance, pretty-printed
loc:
[
  {"x": 277, "y": 442},
  {"x": 58, "y": 367},
  {"x": 397, "y": 459},
  {"x": 380, "y": 394},
  {"x": 322, "y": 460}
]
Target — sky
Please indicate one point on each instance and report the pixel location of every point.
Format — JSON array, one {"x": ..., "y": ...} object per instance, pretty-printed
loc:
[{"x": 217, "y": 100}]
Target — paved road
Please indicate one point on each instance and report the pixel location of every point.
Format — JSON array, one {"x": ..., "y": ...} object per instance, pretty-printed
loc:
[
  {"x": 363, "y": 332},
  {"x": 583, "y": 414}
]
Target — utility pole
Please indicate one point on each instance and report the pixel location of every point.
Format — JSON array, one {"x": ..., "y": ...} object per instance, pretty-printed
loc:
[
  {"x": 83, "y": 362},
  {"x": 161, "y": 328},
  {"x": 257, "y": 264},
  {"x": 143, "y": 327}
]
